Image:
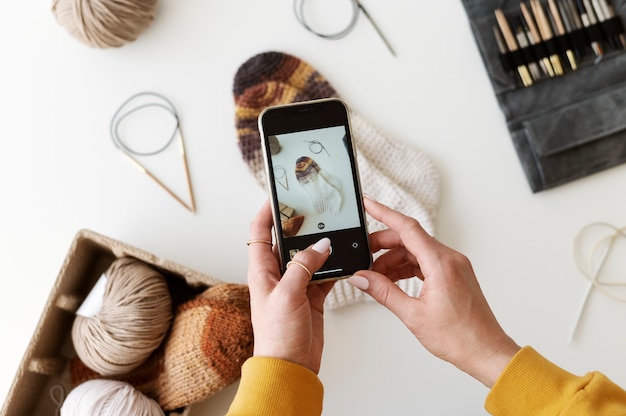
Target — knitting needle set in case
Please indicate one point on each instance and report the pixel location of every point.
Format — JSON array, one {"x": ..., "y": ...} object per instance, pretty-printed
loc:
[{"x": 558, "y": 71}]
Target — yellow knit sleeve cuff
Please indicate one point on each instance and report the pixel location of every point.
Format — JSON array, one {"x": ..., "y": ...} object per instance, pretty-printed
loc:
[
  {"x": 270, "y": 386},
  {"x": 532, "y": 385}
]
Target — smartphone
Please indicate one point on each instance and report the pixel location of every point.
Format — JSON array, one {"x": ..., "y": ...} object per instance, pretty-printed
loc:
[{"x": 314, "y": 185}]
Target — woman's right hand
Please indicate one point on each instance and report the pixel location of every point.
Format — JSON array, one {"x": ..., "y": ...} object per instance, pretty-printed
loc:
[{"x": 451, "y": 317}]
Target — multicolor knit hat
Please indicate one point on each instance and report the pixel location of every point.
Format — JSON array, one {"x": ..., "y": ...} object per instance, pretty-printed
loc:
[
  {"x": 392, "y": 172},
  {"x": 270, "y": 79},
  {"x": 323, "y": 190},
  {"x": 210, "y": 338}
]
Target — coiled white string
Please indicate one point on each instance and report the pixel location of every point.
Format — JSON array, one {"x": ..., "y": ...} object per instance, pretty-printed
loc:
[{"x": 592, "y": 264}]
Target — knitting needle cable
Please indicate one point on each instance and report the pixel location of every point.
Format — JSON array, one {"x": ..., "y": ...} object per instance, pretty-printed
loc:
[
  {"x": 298, "y": 10},
  {"x": 380, "y": 33},
  {"x": 593, "y": 264},
  {"x": 313, "y": 147},
  {"x": 130, "y": 152}
]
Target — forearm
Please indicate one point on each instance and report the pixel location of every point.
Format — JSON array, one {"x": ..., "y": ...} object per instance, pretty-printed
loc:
[
  {"x": 532, "y": 385},
  {"x": 271, "y": 386}
]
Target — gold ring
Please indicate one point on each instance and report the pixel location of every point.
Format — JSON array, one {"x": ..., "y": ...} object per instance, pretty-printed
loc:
[
  {"x": 259, "y": 241},
  {"x": 306, "y": 269}
]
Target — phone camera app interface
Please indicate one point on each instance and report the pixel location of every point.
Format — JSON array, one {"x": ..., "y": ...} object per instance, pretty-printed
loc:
[{"x": 314, "y": 184}]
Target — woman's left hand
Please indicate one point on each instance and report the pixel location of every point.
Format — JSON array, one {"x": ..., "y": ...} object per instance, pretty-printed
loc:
[{"x": 287, "y": 312}]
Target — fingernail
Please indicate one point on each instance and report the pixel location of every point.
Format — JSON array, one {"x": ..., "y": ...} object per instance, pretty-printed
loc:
[
  {"x": 322, "y": 246},
  {"x": 368, "y": 196},
  {"x": 359, "y": 282}
]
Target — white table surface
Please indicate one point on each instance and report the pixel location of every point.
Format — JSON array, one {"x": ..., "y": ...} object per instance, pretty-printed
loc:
[{"x": 60, "y": 172}]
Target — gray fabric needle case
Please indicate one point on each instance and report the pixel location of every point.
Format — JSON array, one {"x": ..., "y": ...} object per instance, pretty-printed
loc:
[{"x": 564, "y": 127}]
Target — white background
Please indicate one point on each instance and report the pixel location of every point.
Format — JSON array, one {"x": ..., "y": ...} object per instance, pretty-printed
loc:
[{"x": 59, "y": 173}]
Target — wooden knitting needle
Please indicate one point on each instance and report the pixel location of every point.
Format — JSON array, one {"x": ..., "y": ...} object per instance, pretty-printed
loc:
[
  {"x": 546, "y": 33},
  {"x": 183, "y": 154},
  {"x": 511, "y": 44},
  {"x": 603, "y": 11},
  {"x": 376, "y": 28},
  {"x": 142, "y": 169},
  {"x": 522, "y": 40},
  {"x": 500, "y": 42},
  {"x": 610, "y": 13},
  {"x": 145, "y": 171},
  {"x": 560, "y": 29},
  {"x": 536, "y": 38},
  {"x": 588, "y": 19}
]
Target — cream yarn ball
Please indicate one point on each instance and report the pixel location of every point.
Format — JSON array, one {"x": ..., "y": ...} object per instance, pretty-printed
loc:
[
  {"x": 135, "y": 316},
  {"x": 108, "y": 398},
  {"x": 104, "y": 23}
]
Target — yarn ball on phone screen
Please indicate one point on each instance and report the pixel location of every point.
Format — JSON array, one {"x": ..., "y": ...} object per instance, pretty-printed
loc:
[
  {"x": 104, "y": 23},
  {"x": 134, "y": 318}
]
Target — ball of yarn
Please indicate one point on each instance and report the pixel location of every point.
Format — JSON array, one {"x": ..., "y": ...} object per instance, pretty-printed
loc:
[
  {"x": 210, "y": 338},
  {"x": 104, "y": 23},
  {"x": 135, "y": 316},
  {"x": 108, "y": 398}
]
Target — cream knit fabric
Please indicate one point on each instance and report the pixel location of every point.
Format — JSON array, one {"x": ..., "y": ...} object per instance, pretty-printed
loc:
[
  {"x": 396, "y": 174},
  {"x": 400, "y": 177}
]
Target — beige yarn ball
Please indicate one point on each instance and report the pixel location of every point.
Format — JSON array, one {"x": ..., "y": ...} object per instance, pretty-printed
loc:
[
  {"x": 135, "y": 316},
  {"x": 108, "y": 398},
  {"x": 104, "y": 23}
]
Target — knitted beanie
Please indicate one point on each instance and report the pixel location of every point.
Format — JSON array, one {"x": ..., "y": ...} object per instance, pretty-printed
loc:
[
  {"x": 392, "y": 172},
  {"x": 210, "y": 338},
  {"x": 323, "y": 190}
]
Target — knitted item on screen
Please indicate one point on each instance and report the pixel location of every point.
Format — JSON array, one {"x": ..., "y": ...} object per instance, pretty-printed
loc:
[
  {"x": 392, "y": 172},
  {"x": 323, "y": 190}
]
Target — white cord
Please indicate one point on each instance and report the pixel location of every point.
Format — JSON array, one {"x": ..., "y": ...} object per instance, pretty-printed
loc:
[{"x": 591, "y": 266}]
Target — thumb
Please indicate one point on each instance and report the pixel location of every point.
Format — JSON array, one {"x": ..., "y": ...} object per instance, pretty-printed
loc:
[{"x": 382, "y": 290}]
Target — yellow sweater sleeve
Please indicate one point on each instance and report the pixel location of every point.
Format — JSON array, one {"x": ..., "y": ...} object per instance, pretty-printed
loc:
[
  {"x": 270, "y": 386},
  {"x": 532, "y": 385}
]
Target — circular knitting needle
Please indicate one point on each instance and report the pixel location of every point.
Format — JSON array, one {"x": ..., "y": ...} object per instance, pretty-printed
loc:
[
  {"x": 298, "y": 9},
  {"x": 123, "y": 112},
  {"x": 380, "y": 33}
]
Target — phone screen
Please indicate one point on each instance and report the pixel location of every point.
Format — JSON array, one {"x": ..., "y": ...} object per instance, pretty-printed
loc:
[{"x": 313, "y": 178}]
